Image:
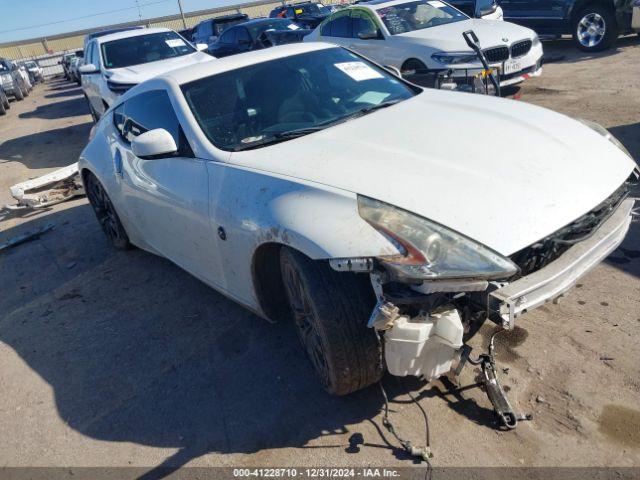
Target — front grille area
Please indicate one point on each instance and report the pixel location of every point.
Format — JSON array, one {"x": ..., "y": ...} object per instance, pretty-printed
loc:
[
  {"x": 521, "y": 48},
  {"x": 496, "y": 54},
  {"x": 540, "y": 254}
]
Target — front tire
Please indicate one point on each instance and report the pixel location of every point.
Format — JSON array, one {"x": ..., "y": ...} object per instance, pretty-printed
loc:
[
  {"x": 330, "y": 310},
  {"x": 18, "y": 93},
  {"x": 106, "y": 213},
  {"x": 595, "y": 28}
]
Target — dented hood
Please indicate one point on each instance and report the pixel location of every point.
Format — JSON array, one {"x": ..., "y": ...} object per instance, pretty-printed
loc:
[{"x": 502, "y": 172}]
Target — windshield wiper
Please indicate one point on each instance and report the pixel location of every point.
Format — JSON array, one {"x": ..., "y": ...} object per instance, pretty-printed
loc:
[{"x": 299, "y": 132}]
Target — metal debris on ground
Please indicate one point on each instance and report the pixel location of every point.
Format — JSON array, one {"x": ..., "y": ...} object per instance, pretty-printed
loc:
[
  {"x": 26, "y": 237},
  {"x": 47, "y": 190}
]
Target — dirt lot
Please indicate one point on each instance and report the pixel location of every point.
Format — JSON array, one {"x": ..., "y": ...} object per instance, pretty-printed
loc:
[{"x": 121, "y": 359}]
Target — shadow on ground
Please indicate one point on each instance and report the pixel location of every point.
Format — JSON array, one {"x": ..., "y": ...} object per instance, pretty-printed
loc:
[
  {"x": 51, "y": 148},
  {"x": 564, "y": 50},
  {"x": 137, "y": 350},
  {"x": 72, "y": 107}
]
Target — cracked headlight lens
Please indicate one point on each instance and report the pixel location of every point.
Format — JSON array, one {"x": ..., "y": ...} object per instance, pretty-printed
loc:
[
  {"x": 429, "y": 250},
  {"x": 596, "y": 127}
]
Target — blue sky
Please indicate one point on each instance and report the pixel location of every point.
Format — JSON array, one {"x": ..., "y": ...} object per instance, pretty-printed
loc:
[{"x": 20, "y": 19}]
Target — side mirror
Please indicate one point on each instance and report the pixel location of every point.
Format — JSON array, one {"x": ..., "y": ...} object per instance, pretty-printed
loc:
[
  {"x": 88, "y": 69},
  {"x": 201, "y": 47},
  {"x": 393, "y": 70},
  {"x": 370, "y": 36},
  {"x": 154, "y": 144}
]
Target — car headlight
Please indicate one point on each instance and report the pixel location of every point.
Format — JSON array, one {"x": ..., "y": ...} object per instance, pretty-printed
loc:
[
  {"x": 605, "y": 133},
  {"x": 6, "y": 79},
  {"x": 453, "y": 58},
  {"x": 429, "y": 250},
  {"x": 535, "y": 41}
]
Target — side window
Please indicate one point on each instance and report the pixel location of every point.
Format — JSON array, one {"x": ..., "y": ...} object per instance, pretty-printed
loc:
[
  {"x": 291, "y": 12},
  {"x": 87, "y": 52},
  {"x": 228, "y": 37},
  {"x": 341, "y": 26},
  {"x": 95, "y": 54},
  {"x": 243, "y": 37},
  {"x": 362, "y": 23},
  {"x": 118, "y": 119},
  {"x": 148, "y": 111},
  {"x": 325, "y": 30}
]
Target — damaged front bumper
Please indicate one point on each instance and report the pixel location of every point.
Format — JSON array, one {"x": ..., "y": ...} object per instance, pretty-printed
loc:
[
  {"x": 508, "y": 302},
  {"x": 47, "y": 190}
]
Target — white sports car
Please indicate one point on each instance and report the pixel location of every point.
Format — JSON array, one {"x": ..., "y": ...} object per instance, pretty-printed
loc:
[
  {"x": 304, "y": 181},
  {"x": 426, "y": 36}
]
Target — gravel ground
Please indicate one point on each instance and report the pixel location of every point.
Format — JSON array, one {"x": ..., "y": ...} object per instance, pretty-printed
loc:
[{"x": 122, "y": 359}]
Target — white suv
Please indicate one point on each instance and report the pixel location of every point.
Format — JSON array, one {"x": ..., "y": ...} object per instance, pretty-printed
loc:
[{"x": 117, "y": 62}]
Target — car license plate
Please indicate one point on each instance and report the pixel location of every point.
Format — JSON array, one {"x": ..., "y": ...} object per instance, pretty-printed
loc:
[{"x": 511, "y": 66}]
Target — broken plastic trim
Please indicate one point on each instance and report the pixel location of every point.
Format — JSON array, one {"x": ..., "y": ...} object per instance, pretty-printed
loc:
[{"x": 47, "y": 190}]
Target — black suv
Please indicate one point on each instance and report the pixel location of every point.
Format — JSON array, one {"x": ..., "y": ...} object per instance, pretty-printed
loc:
[
  {"x": 594, "y": 24},
  {"x": 305, "y": 14},
  {"x": 208, "y": 31}
]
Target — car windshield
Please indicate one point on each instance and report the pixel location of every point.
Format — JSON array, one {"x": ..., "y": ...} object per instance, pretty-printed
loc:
[
  {"x": 417, "y": 15},
  {"x": 277, "y": 24},
  {"x": 311, "y": 9},
  {"x": 144, "y": 49},
  {"x": 284, "y": 98}
]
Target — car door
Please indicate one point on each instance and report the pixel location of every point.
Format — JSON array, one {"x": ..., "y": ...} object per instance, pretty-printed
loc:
[
  {"x": 541, "y": 15},
  {"x": 338, "y": 29},
  {"x": 243, "y": 40},
  {"x": 167, "y": 198},
  {"x": 366, "y": 36},
  {"x": 226, "y": 44}
]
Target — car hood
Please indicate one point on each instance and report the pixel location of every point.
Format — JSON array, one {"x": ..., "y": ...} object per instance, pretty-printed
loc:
[
  {"x": 139, "y": 73},
  {"x": 449, "y": 37},
  {"x": 502, "y": 172}
]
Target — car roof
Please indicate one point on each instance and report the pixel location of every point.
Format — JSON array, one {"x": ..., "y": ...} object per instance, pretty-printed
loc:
[
  {"x": 130, "y": 33},
  {"x": 378, "y": 3},
  {"x": 109, "y": 31},
  {"x": 257, "y": 21},
  {"x": 206, "y": 69},
  {"x": 222, "y": 18}
]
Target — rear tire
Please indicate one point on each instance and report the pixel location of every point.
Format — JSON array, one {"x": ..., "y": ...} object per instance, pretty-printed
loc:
[
  {"x": 3, "y": 109},
  {"x": 595, "y": 28},
  {"x": 18, "y": 93},
  {"x": 106, "y": 213},
  {"x": 330, "y": 311}
]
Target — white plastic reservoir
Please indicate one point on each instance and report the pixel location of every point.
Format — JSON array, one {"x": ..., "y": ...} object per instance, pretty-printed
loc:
[{"x": 424, "y": 346}]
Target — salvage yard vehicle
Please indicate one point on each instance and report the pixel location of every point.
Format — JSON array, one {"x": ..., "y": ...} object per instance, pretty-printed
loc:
[
  {"x": 424, "y": 36},
  {"x": 12, "y": 80},
  {"x": 255, "y": 35},
  {"x": 593, "y": 24},
  {"x": 4, "y": 101},
  {"x": 114, "y": 63},
  {"x": 36, "y": 71},
  {"x": 306, "y": 182}
]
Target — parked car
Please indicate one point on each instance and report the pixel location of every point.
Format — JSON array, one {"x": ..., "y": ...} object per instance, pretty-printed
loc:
[
  {"x": 421, "y": 36},
  {"x": 12, "y": 80},
  {"x": 24, "y": 73},
  {"x": 305, "y": 14},
  {"x": 4, "y": 101},
  {"x": 36, "y": 71},
  {"x": 74, "y": 72},
  {"x": 257, "y": 34},
  {"x": 208, "y": 31},
  {"x": 65, "y": 62},
  {"x": 114, "y": 63},
  {"x": 594, "y": 25},
  {"x": 306, "y": 182}
]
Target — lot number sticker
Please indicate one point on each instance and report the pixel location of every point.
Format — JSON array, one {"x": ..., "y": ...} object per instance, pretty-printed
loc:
[
  {"x": 174, "y": 42},
  {"x": 359, "y": 71}
]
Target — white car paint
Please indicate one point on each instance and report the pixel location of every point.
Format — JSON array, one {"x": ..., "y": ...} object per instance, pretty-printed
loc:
[
  {"x": 433, "y": 155},
  {"x": 497, "y": 14},
  {"x": 395, "y": 50},
  {"x": 95, "y": 85}
]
